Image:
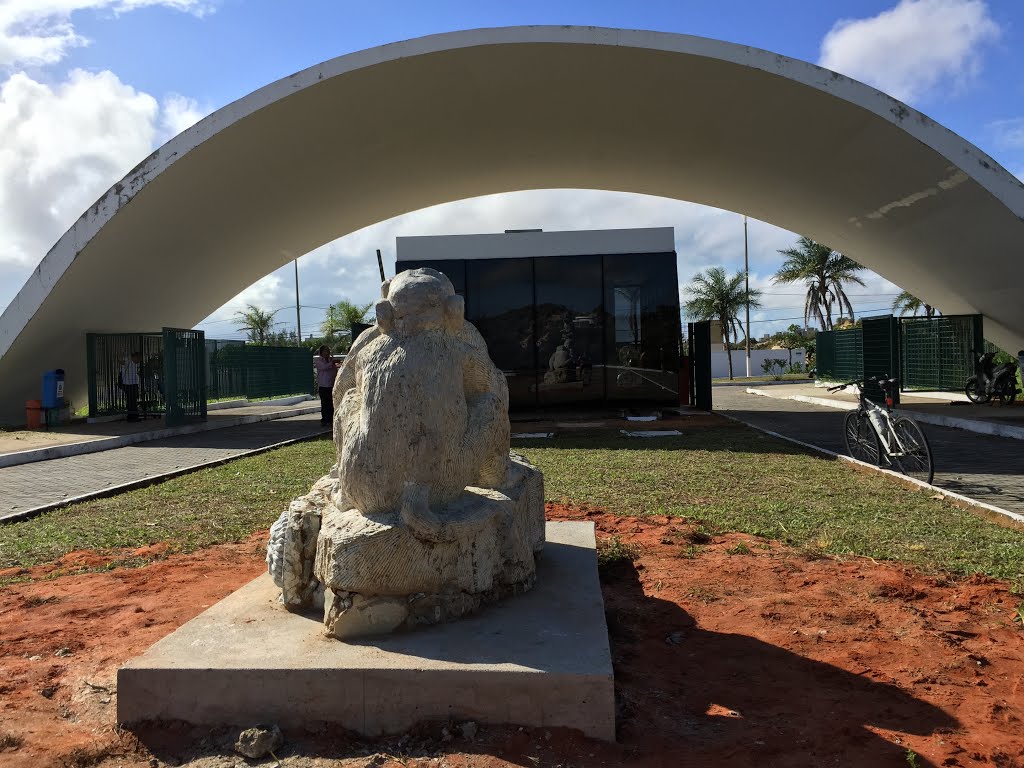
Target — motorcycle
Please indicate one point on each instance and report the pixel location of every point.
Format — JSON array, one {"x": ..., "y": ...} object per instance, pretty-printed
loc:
[{"x": 991, "y": 381}]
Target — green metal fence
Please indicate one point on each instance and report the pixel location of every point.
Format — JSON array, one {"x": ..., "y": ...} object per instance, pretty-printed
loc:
[
  {"x": 203, "y": 370},
  {"x": 274, "y": 371},
  {"x": 936, "y": 352},
  {"x": 225, "y": 369}
]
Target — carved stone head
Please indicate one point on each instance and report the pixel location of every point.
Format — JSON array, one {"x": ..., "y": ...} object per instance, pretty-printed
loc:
[{"x": 418, "y": 300}]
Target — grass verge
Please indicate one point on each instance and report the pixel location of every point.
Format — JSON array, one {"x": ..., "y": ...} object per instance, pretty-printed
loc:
[
  {"x": 731, "y": 478},
  {"x": 738, "y": 479}
]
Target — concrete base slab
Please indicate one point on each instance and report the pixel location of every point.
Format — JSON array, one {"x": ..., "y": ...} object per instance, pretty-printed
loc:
[{"x": 539, "y": 659}]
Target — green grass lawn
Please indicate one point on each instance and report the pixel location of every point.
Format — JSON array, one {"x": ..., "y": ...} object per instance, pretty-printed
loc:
[
  {"x": 737, "y": 479},
  {"x": 731, "y": 478}
]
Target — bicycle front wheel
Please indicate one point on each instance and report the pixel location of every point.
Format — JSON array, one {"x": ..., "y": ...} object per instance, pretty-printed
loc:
[
  {"x": 860, "y": 438},
  {"x": 915, "y": 458}
]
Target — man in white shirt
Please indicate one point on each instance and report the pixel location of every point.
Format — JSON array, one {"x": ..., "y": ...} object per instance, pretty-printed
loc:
[{"x": 130, "y": 384}]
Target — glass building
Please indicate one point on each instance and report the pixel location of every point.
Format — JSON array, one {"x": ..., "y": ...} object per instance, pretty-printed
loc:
[{"x": 588, "y": 318}]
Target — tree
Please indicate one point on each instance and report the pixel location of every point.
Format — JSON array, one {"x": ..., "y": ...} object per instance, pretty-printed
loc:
[
  {"x": 825, "y": 272},
  {"x": 716, "y": 296},
  {"x": 256, "y": 323},
  {"x": 790, "y": 339},
  {"x": 342, "y": 316},
  {"x": 908, "y": 304},
  {"x": 283, "y": 338}
]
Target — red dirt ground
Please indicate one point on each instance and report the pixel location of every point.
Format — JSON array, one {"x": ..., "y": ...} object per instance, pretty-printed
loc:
[{"x": 747, "y": 654}]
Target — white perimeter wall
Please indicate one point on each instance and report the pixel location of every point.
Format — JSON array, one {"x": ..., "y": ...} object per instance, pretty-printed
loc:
[{"x": 720, "y": 364}]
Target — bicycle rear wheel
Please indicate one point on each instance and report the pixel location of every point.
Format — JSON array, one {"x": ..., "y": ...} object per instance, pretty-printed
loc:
[
  {"x": 1007, "y": 392},
  {"x": 916, "y": 458},
  {"x": 860, "y": 438},
  {"x": 975, "y": 393}
]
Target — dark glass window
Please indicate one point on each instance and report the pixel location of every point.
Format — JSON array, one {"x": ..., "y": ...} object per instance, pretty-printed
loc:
[
  {"x": 499, "y": 302},
  {"x": 453, "y": 269},
  {"x": 575, "y": 329},
  {"x": 642, "y": 328},
  {"x": 569, "y": 330}
]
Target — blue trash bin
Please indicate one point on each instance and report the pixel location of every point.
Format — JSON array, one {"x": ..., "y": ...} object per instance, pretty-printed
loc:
[{"x": 53, "y": 389}]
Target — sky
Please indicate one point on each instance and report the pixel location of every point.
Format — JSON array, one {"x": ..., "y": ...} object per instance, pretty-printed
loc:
[{"x": 88, "y": 88}]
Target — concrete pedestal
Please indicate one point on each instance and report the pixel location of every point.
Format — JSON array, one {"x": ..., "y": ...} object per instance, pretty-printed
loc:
[{"x": 538, "y": 659}]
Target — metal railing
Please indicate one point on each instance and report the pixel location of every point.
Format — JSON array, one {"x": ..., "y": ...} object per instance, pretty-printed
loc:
[{"x": 203, "y": 370}]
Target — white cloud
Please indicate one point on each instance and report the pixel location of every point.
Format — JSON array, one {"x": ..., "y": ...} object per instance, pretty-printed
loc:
[
  {"x": 914, "y": 48},
  {"x": 41, "y": 32},
  {"x": 62, "y": 146},
  {"x": 179, "y": 113}
]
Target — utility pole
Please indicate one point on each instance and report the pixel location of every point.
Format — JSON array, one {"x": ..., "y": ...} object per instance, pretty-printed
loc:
[
  {"x": 380, "y": 266},
  {"x": 298, "y": 314},
  {"x": 746, "y": 276}
]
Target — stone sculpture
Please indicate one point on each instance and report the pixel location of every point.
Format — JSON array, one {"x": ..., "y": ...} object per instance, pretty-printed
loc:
[{"x": 426, "y": 515}]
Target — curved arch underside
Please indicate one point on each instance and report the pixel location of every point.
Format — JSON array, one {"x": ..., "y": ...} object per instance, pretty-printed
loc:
[{"x": 378, "y": 133}]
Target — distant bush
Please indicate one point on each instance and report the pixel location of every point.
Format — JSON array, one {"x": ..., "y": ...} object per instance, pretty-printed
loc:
[{"x": 774, "y": 367}]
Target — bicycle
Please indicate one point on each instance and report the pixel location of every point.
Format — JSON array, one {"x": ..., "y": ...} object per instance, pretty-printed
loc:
[{"x": 872, "y": 433}]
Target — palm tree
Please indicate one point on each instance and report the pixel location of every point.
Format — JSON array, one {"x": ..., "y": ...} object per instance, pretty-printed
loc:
[
  {"x": 342, "y": 316},
  {"x": 825, "y": 272},
  {"x": 716, "y": 296},
  {"x": 256, "y": 323},
  {"x": 908, "y": 304}
]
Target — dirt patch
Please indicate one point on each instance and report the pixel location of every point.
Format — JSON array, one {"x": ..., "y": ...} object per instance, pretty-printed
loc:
[{"x": 728, "y": 650}]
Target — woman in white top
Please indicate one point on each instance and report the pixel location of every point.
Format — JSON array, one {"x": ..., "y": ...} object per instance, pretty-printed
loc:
[{"x": 326, "y": 371}]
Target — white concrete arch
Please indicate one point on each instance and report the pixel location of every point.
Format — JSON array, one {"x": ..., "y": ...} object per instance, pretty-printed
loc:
[{"x": 377, "y": 133}]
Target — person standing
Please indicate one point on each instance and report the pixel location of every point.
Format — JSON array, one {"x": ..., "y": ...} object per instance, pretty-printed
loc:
[
  {"x": 326, "y": 371},
  {"x": 130, "y": 384}
]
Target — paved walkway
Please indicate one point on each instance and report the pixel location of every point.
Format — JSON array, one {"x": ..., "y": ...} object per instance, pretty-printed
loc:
[
  {"x": 21, "y": 442},
  {"x": 28, "y": 488},
  {"x": 982, "y": 467}
]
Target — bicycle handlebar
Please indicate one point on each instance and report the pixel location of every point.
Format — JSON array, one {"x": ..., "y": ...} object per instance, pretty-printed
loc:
[{"x": 882, "y": 380}]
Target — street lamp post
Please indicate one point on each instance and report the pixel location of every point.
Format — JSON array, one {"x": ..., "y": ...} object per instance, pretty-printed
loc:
[
  {"x": 298, "y": 315},
  {"x": 746, "y": 277}
]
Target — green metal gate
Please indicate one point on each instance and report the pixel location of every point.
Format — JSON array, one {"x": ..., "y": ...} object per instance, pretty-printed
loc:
[
  {"x": 184, "y": 376},
  {"x": 107, "y": 355},
  {"x": 936, "y": 352},
  {"x": 840, "y": 354},
  {"x": 881, "y": 354}
]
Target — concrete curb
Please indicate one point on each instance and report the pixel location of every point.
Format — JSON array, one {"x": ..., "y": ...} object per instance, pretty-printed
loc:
[
  {"x": 113, "y": 490},
  {"x": 901, "y": 477},
  {"x": 971, "y": 425},
  {"x": 244, "y": 403},
  {"x": 120, "y": 441}
]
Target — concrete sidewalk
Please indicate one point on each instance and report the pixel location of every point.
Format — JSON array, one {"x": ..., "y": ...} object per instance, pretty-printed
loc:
[
  {"x": 24, "y": 446},
  {"x": 954, "y": 412},
  {"x": 28, "y": 489}
]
